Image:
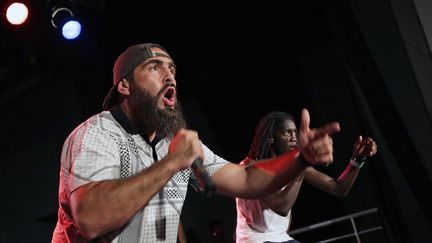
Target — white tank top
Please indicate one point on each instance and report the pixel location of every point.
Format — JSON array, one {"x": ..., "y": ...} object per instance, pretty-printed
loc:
[{"x": 257, "y": 223}]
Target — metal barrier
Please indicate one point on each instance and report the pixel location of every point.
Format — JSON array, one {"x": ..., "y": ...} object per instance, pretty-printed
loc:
[{"x": 356, "y": 233}]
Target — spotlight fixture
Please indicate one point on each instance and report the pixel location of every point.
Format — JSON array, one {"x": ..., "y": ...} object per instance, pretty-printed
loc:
[{"x": 63, "y": 18}]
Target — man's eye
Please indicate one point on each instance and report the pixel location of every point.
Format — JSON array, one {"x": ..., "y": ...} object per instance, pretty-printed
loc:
[{"x": 291, "y": 132}]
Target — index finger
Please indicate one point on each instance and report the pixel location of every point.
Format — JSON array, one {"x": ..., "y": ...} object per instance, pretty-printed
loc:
[{"x": 305, "y": 120}]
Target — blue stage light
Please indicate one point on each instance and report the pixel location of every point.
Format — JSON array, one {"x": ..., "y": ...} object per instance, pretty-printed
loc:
[
  {"x": 64, "y": 19},
  {"x": 71, "y": 29}
]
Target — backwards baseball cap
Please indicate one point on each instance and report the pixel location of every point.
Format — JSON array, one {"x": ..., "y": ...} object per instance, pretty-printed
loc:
[{"x": 126, "y": 63}]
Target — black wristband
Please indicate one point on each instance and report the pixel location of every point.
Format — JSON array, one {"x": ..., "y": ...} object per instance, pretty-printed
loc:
[{"x": 359, "y": 159}]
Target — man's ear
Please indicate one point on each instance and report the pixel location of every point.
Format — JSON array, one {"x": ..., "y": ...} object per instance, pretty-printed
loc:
[
  {"x": 123, "y": 87},
  {"x": 270, "y": 139}
]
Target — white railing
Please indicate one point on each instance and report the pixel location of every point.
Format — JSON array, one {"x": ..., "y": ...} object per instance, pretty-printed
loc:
[{"x": 356, "y": 233}]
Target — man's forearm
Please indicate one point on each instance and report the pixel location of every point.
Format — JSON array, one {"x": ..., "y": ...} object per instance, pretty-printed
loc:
[
  {"x": 100, "y": 207},
  {"x": 346, "y": 180},
  {"x": 268, "y": 176}
]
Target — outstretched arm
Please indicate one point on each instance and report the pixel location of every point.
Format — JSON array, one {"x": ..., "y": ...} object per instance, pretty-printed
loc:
[
  {"x": 267, "y": 176},
  {"x": 363, "y": 149},
  {"x": 282, "y": 201}
]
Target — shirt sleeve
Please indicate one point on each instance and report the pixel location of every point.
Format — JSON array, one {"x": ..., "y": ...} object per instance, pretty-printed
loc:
[
  {"x": 94, "y": 156},
  {"x": 212, "y": 163}
]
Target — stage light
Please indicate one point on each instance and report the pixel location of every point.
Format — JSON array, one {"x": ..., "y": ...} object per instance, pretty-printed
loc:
[
  {"x": 17, "y": 13},
  {"x": 71, "y": 30},
  {"x": 64, "y": 19}
]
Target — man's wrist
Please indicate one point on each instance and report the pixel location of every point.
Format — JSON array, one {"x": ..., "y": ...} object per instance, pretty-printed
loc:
[{"x": 358, "y": 163}]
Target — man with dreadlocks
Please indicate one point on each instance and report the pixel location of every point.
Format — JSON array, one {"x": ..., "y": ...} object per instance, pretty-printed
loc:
[{"x": 267, "y": 219}]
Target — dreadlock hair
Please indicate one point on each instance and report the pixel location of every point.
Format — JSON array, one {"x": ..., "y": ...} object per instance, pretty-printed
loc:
[{"x": 260, "y": 147}]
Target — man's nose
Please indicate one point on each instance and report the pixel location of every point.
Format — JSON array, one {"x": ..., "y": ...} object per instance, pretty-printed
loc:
[{"x": 169, "y": 77}]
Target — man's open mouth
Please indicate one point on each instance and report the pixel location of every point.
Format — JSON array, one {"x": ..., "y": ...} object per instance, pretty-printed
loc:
[{"x": 169, "y": 96}]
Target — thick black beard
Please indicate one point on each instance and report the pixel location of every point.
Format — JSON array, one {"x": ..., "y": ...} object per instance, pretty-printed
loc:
[{"x": 148, "y": 117}]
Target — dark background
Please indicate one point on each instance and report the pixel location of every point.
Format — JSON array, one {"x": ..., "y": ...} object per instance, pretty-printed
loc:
[{"x": 366, "y": 64}]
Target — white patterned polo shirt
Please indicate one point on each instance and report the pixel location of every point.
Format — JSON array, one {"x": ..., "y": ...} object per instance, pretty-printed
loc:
[{"x": 106, "y": 147}]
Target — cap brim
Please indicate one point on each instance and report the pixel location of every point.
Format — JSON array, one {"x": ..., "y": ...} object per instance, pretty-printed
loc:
[{"x": 110, "y": 98}]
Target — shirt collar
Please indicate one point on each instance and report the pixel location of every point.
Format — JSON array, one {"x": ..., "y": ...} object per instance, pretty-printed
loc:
[{"x": 128, "y": 126}]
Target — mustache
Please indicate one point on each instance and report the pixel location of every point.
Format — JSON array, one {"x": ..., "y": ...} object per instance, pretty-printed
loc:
[
  {"x": 169, "y": 84},
  {"x": 166, "y": 86}
]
